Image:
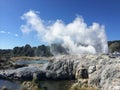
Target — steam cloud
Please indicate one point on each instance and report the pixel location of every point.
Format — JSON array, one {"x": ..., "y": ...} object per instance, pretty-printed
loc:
[{"x": 77, "y": 37}]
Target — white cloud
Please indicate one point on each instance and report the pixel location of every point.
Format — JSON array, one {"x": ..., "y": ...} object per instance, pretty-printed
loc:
[
  {"x": 33, "y": 23},
  {"x": 76, "y": 36},
  {"x": 2, "y": 32},
  {"x": 8, "y": 33},
  {"x": 16, "y": 35}
]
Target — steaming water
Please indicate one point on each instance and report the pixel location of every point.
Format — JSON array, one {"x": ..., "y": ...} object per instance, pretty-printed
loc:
[{"x": 76, "y": 37}]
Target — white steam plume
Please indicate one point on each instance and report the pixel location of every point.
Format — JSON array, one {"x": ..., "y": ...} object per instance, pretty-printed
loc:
[{"x": 77, "y": 37}]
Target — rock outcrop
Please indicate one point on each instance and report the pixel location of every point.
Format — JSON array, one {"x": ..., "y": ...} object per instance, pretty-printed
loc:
[{"x": 100, "y": 70}]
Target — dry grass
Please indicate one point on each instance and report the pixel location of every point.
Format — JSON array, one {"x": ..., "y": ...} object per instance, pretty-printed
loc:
[{"x": 85, "y": 87}]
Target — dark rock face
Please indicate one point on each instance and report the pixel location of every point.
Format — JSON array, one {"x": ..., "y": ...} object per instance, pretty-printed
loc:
[
  {"x": 2, "y": 77},
  {"x": 41, "y": 75},
  {"x": 83, "y": 73}
]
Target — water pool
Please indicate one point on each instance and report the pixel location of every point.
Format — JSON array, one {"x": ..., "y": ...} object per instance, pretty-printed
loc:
[
  {"x": 11, "y": 85},
  {"x": 49, "y": 85},
  {"x": 27, "y": 62}
]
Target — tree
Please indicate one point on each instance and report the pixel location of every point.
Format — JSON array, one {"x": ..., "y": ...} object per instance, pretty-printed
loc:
[
  {"x": 28, "y": 51},
  {"x": 16, "y": 51}
]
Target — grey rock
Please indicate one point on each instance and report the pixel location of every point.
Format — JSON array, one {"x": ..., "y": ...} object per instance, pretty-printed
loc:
[
  {"x": 91, "y": 69},
  {"x": 103, "y": 71}
]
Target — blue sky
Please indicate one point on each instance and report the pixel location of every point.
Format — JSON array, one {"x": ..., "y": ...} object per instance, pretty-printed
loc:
[{"x": 105, "y": 12}]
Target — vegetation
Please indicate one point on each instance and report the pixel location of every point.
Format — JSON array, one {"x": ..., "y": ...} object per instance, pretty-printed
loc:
[
  {"x": 114, "y": 46},
  {"x": 5, "y": 52},
  {"x": 26, "y": 50},
  {"x": 43, "y": 50}
]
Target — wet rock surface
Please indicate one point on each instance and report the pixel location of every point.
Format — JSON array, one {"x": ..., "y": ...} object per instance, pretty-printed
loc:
[{"x": 100, "y": 70}]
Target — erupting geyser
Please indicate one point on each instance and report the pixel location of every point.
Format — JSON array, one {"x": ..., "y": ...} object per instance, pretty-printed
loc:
[{"x": 76, "y": 37}]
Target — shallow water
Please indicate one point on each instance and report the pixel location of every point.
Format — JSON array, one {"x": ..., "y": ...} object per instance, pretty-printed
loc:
[
  {"x": 10, "y": 84},
  {"x": 56, "y": 85},
  {"x": 46, "y": 85},
  {"x": 27, "y": 62}
]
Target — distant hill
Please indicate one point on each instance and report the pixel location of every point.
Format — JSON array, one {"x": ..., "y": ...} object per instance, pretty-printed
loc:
[{"x": 114, "y": 46}]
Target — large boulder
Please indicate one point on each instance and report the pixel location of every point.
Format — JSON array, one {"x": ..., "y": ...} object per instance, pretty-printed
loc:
[{"x": 63, "y": 69}]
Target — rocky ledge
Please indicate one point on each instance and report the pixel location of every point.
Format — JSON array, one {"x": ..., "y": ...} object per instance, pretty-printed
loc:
[{"x": 100, "y": 71}]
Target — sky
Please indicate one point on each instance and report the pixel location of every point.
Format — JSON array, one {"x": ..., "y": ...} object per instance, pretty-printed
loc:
[{"x": 12, "y": 12}]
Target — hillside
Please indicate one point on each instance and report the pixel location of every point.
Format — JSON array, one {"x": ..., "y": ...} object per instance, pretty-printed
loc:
[{"x": 114, "y": 46}]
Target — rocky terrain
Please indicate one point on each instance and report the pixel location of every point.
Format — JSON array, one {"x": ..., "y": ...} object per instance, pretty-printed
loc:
[
  {"x": 6, "y": 63},
  {"x": 102, "y": 71}
]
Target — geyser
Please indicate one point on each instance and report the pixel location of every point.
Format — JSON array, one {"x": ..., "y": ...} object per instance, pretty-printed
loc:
[{"x": 76, "y": 37}]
